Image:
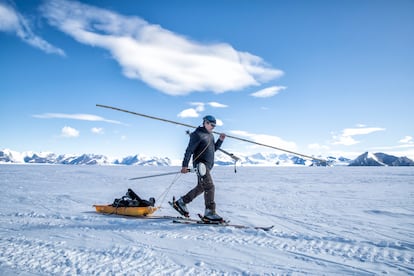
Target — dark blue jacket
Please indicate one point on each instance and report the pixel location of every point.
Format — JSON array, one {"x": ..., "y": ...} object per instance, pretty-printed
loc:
[{"x": 202, "y": 147}]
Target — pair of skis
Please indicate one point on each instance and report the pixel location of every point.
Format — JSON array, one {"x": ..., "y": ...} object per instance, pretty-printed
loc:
[
  {"x": 224, "y": 223},
  {"x": 203, "y": 221}
]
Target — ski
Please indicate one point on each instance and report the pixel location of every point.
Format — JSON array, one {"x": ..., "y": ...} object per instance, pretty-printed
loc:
[
  {"x": 188, "y": 220},
  {"x": 200, "y": 222},
  {"x": 215, "y": 132}
]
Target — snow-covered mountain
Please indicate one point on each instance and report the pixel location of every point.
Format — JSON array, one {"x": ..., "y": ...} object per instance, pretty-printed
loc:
[
  {"x": 142, "y": 160},
  {"x": 9, "y": 156},
  {"x": 258, "y": 159},
  {"x": 263, "y": 159},
  {"x": 272, "y": 159},
  {"x": 29, "y": 157},
  {"x": 380, "y": 159}
]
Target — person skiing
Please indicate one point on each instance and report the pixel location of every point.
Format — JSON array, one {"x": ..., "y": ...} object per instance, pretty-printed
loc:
[{"x": 202, "y": 147}]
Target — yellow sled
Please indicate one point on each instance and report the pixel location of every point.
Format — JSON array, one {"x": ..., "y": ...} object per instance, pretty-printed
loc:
[{"x": 126, "y": 211}]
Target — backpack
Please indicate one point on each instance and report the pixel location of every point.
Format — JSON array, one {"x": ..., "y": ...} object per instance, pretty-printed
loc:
[{"x": 131, "y": 199}]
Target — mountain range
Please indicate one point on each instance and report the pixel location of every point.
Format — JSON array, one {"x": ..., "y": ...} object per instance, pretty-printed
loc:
[
  {"x": 380, "y": 159},
  {"x": 258, "y": 159}
]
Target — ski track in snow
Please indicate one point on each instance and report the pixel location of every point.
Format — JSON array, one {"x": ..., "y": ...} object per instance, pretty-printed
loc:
[{"x": 48, "y": 226}]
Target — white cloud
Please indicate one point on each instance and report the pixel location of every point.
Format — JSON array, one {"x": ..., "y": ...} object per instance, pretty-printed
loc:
[
  {"x": 346, "y": 137},
  {"x": 270, "y": 140},
  {"x": 188, "y": 113},
  {"x": 97, "y": 130},
  {"x": 217, "y": 105},
  {"x": 13, "y": 22},
  {"x": 9, "y": 19},
  {"x": 82, "y": 117},
  {"x": 200, "y": 107},
  {"x": 344, "y": 140},
  {"x": 169, "y": 62},
  {"x": 69, "y": 132},
  {"x": 268, "y": 92},
  {"x": 219, "y": 122},
  {"x": 360, "y": 131},
  {"x": 407, "y": 140}
]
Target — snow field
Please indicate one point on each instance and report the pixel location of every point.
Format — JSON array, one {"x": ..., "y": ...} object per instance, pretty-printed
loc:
[{"x": 329, "y": 221}]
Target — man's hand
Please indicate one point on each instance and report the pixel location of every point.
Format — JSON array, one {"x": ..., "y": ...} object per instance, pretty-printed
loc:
[
  {"x": 222, "y": 136},
  {"x": 184, "y": 170}
]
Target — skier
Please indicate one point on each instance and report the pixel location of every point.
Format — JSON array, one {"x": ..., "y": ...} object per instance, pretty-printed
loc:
[{"x": 202, "y": 147}]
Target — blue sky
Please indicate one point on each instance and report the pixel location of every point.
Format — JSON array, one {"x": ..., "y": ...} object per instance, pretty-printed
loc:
[{"x": 316, "y": 77}]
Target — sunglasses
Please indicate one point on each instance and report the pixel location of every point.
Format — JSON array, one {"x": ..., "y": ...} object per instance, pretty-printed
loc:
[{"x": 211, "y": 124}]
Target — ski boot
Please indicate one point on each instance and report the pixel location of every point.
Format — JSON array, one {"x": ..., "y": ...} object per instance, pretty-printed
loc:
[
  {"x": 180, "y": 207},
  {"x": 210, "y": 216}
]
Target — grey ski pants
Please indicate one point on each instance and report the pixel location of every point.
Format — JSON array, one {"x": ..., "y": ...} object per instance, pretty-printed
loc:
[{"x": 205, "y": 184}]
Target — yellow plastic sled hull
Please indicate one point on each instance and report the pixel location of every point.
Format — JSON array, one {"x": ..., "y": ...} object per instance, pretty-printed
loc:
[{"x": 126, "y": 211}]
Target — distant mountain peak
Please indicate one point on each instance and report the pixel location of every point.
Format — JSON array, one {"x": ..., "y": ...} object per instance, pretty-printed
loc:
[
  {"x": 380, "y": 159},
  {"x": 257, "y": 159}
]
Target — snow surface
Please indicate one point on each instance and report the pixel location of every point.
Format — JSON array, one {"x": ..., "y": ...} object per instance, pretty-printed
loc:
[{"x": 328, "y": 221}]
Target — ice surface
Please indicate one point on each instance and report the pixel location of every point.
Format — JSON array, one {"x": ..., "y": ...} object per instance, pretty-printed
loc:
[{"x": 332, "y": 221}]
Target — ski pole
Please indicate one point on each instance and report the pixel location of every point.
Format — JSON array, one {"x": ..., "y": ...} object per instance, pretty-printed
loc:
[
  {"x": 155, "y": 175},
  {"x": 161, "y": 174}
]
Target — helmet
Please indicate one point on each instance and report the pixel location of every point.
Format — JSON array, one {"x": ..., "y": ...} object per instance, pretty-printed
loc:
[{"x": 210, "y": 118}]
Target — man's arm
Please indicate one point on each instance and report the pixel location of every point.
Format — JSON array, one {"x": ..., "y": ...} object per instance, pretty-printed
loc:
[
  {"x": 192, "y": 145},
  {"x": 219, "y": 141}
]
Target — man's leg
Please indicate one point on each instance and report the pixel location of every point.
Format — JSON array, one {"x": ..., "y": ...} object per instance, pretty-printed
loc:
[
  {"x": 209, "y": 191},
  {"x": 193, "y": 193}
]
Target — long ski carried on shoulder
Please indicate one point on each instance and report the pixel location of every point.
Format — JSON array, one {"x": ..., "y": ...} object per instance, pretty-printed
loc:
[{"x": 322, "y": 161}]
